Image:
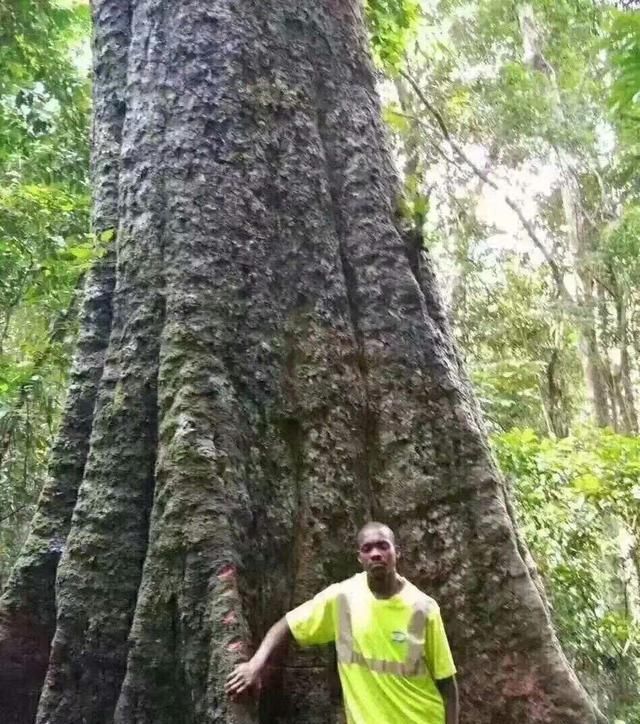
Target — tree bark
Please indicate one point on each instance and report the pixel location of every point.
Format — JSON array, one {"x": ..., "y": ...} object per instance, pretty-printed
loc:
[
  {"x": 279, "y": 369},
  {"x": 551, "y": 398},
  {"x": 627, "y": 393}
]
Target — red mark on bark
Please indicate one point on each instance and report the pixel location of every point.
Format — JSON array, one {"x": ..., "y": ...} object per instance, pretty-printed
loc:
[
  {"x": 235, "y": 647},
  {"x": 227, "y": 573},
  {"x": 523, "y": 694},
  {"x": 230, "y": 618},
  {"x": 524, "y": 686}
]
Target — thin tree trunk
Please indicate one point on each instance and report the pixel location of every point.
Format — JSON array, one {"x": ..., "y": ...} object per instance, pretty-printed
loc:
[
  {"x": 585, "y": 315},
  {"x": 280, "y": 368},
  {"x": 605, "y": 339},
  {"x": 551, "y": 399},
  {"x": 594, "y": 375},
  {"x": 628, "y": 395}
]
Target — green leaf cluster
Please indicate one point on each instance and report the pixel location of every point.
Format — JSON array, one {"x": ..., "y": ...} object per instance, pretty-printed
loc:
[
  {"x": 577, "y": 503},
  {"x": 623, "y": 52},
  {"x": 392, "y": 24}
]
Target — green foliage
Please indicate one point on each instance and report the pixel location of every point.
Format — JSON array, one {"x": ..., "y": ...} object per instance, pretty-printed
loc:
[
  {"x": 45, "y": 244},
  {"x": 392, "y": 23},
  {"x": 43, "y": 97},
  {"x": 577, "y": 502},
  {"x": 623, "y": 52},
  {"x": 624, "y": 56},
  {"x": 620, "y": 249},
  {"x": 512, "y": 103},
  {"x": 513, "y": 345}
]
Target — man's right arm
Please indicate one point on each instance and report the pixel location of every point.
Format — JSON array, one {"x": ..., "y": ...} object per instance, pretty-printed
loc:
[
  {"x": 245, "y": 676},
  {"x": 309, "y": 624}
]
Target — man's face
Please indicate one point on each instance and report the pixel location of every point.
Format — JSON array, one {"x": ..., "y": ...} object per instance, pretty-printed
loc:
[{"x": 376, "y": 552}]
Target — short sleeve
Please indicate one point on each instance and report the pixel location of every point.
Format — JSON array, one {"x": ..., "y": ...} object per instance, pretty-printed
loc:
[
  {"x": 313, "y": 621},
  {"x": 438, "y": 654}
]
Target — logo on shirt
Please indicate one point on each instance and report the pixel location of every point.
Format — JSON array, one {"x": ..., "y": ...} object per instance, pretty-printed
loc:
[{"x": 398, "y": 636}]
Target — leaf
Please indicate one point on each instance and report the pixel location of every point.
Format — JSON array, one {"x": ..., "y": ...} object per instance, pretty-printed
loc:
[
  {"x": 587, "y": 484},
  {"x": 391, "y": 25},
  {"x": 107, "y": 235},
  {"x": 81, "y": 252}
]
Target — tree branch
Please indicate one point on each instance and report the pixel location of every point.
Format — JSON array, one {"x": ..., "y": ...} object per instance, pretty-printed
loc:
[{"x": 556, "y": 271}]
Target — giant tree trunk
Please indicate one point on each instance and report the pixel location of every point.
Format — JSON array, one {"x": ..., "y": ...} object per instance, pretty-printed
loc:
[{"x": 278, "y": 370}]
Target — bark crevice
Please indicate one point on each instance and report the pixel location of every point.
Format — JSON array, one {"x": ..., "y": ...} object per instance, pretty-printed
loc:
[{"x": 369, "y": 423}]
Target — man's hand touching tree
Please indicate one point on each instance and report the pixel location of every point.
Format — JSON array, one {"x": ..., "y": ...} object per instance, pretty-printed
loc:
[{"x": 246, "y": 677}]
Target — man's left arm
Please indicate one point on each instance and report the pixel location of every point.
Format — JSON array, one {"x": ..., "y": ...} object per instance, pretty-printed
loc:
[
  {"x": 441, "y": 666},
  {"x": 448, "y": 689}
]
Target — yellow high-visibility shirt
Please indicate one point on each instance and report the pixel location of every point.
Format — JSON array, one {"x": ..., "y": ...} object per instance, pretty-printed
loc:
[{"x": 390, "y": 651}]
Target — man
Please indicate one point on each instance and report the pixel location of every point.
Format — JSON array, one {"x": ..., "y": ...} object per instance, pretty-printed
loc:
[{"x": 394, "y": 660}]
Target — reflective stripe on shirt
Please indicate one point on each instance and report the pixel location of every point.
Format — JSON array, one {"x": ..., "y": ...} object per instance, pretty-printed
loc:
[{"x": 414, "y": 663}]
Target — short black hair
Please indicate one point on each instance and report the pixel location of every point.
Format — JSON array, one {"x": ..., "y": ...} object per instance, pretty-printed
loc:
[{"x": 375, "y": 525}]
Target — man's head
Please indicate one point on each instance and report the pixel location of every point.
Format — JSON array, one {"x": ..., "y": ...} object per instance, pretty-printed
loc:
[{"x": 377, "y": 551}]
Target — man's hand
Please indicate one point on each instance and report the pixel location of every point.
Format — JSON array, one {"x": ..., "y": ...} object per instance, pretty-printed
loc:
[
  {"x": 246, "y": 677},
  {"x": 449, "y": 691},
  {"x": 243, "y": 678}
]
